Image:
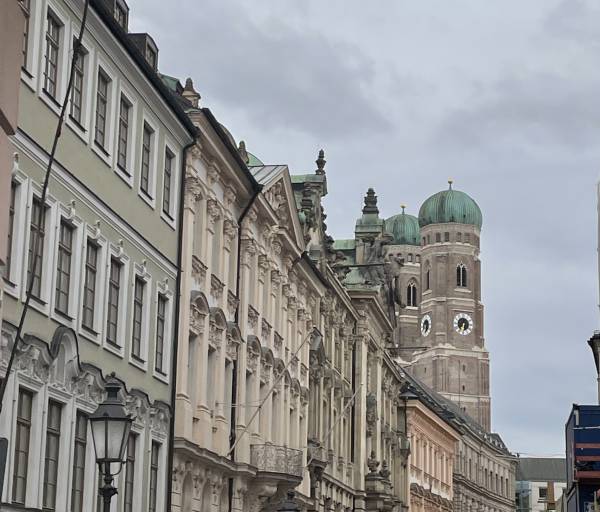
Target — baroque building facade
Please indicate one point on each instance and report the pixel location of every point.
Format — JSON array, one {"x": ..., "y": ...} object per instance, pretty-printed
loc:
[{"x": 104, "y": 290}]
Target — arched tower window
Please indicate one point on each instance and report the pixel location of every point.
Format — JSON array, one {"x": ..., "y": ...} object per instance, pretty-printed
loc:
[
  {"x": 411, "y": 294},
  {"x": 461, "y": 276},
  {"x": 428, "y": 279}
]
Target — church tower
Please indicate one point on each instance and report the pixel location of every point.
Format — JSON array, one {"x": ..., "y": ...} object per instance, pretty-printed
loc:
[{"x": 449, "y": 354}]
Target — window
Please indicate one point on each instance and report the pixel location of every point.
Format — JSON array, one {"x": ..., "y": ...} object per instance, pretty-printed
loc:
[
  {"x": 438, "y": 237},
  {"x": 169, "y": 157},
  {"x": 138, "y": 313},
  {"x": 89, "y": 284},
  {"x": 63, "y": 268},
  {"x": 428, "y": 279},
  {"x": 114, "y": 289},
  {"x": 123, "y": 134},
  {"x": 543, "y": 493},
  {"x": 461, "y": 276},
  {"x": 19, "y": 488},
  {"x": 51, "y": 468},
  {"x": 36, "y": 231},
  {"x": 129, "y": 473},
  {"x": 11, "y": 228},
  {"x": 446, "y": 236},
  {"x": 146, "y": 150},
  {"x": 411, "y": 295},
  {"x": 467, "y": 238},
  {"x": 153, "y": 476},
  {"x": 26, "y": 6},
  {"x": 79, "y": 462},
  {"x": 77, "y": 92},
  {"x": 52, "y": 52},
  {"x": 121, "y": 15},
  {"x": 160, "y": 332},
  {"x": 459, "y": 237},
  {"x": 151, "y": 57},
  {"x": 424, "y": 241},
  {"x": 101, "y": 108}
]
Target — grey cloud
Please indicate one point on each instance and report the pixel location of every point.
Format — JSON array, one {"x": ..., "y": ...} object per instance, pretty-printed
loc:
[
  {"x": 540, "y": 109},
  {"x": 280, "y": 76},
  {"x": 577, "y": 20}
]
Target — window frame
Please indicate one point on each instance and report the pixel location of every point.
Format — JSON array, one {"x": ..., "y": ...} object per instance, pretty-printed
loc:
[
  {"x": 129, "y": 478},
  {"x": 63, "y": 251},
  {"x": 118, "y": 255},
  {"x": 13, "y": 283},
  {"x": 147, "y": 176},
  {"x": 169, "y": 156},
  {"x": 140, "y": 272},
  {"x": 81, "y": 442},
  {"x": 27, "y": 8},
  {"x": 88, "y": 269},
  {"x": 106, "y": 80},
  {"x": 139, "y": 299},
  {"x": 153, "y": 495},
  {"x": 149, "y": 121},
  {"x": 28, "y": 424},
  {"x": 56, "y": 433},
  {"x": 54, "y": 95},
  {"x": 81, "y": 72},
  {"x": 126, "y": 168}
]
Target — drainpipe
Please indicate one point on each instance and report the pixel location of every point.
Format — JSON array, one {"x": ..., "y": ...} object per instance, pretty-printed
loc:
[
  {"x": 176, "y": 316},
  {"x": 232, "y": 426}
]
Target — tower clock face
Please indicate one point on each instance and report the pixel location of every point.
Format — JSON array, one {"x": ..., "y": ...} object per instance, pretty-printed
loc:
[
  {"x": 425, "y": 325},
  {"x": 463, "y": 324}
]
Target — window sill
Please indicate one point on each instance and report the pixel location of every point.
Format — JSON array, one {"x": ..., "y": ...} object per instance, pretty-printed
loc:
[
  {"x": 137, "y": 359},
  {"x": 26, "y": 72},
  {"x": 77, "y": 123},
  {"x": 90, "y": 330},
  {"x": 124, "y": 175},
  {"x": 38, "y": 301},
  {"x": 147, "y": 198},
  {"x": 52, "y": 99},
  {"x": 100, "y": 148},
  {"x": 63, "y": 315}
]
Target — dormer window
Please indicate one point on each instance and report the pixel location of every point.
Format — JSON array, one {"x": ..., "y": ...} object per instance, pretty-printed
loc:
[
  {"x": 151, "y": 57},
  {"x": 121, "y": 14}
]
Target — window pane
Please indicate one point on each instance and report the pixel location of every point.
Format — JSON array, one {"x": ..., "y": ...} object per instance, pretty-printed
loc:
[
  {"x": 112, "y": 316},
  {"x": 27, "y": 12},
  {"x": 77, "y": 91},
  {"x": 123, "y": 133},
  {"x": 79, "y": 463},
  {"x": 89, "y": 285},
  {"x": 167, "y": 182},
  {"x": 146, "y": 151},
  {"x": 138, "y": 311},
  {"x": 51, "y": 467},
  {"x": 36, "y": 230},
  {"x": 129, "y": 473},
  {"x": 52, "y": 52},
  {"x": 160, "y": 332},
  {"x": 11, "y": 227},
  {"x": 153, "y": 476},
  {"x": 101, "y": 106},
  {"x": 23, "y": 430},
  {"x": 63, "y": 267}
]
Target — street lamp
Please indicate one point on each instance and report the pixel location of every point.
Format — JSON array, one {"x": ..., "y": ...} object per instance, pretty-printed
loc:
[
  {"x": 405, "y": 397},
  {"x": 110, "y": 432},
  {"x": 594, "y": 343}
]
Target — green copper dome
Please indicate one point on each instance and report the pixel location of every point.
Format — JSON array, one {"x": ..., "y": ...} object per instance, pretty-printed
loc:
[
  {"x": 450, "y": 206},
  {"x": 404, "y": 228}
]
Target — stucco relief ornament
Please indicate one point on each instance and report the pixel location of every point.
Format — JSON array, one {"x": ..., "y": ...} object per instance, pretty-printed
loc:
[
  {"x": 197, "y": 318},
  {"x": 229, "y": 230},
  {"x": 252, "y": 317},
  {"x": 193, "y": 189},
  {"x": 215, "y": 334},
  {"x": 371, "y": 413},
  {"x": 212, "y": 173},
  {"x": 252, "y": 360},
  {"x": 214, "y": 212},
  {"x": 372, "y": 463},
  {"x": 265, "y": 372},
  {"x": 216, "y": 287}
]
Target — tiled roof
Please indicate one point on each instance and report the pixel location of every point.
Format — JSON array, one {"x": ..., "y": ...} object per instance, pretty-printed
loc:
[{"x": 541, "y": 469}]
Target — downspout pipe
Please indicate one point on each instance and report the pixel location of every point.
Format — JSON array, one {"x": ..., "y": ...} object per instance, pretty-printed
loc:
[
  {"x": 176, "y": 316},
  {"x": 232, "y": 438}
]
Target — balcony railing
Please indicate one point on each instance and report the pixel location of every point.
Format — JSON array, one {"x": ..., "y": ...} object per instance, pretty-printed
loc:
[{"x": 270, "y": 458}]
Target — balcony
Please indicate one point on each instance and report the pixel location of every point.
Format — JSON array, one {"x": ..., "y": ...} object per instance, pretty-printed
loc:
[{"x": 270, "y": 458}]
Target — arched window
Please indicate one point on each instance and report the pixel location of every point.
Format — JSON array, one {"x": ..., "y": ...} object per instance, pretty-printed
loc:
[
  {"x": 461, "y": 276},
  {"x": 411, "y": 295},
  {"x": 428, "y": 279}
]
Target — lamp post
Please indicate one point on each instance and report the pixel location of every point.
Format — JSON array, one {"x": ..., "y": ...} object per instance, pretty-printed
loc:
[
  {"x": 110, "y": 431},
  {"x": 594, "y": 343}
]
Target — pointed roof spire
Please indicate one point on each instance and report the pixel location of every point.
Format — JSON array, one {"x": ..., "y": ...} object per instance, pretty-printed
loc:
[
  {"x": 190, "y": 93},
  {"x": 370, "y": 202},
  {"x": 320, "y": 161}
]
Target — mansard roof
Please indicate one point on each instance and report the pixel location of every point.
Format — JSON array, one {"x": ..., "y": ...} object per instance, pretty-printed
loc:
[{"x": 451, "y": 413}]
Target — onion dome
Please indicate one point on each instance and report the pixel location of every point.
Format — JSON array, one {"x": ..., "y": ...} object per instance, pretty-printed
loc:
[
  {"x": 450, "y": 206},
  {"x": 404, "y": 228}
]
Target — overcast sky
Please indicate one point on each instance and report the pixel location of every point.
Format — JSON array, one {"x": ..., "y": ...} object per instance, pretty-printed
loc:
[{"x": 504, "y": 97}]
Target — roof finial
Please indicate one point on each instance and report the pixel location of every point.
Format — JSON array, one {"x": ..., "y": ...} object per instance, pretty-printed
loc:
[
  {"x": 320, "y": 161},
  {"x": 243, "y": 153},
  {"x": 450, "y": 181},
  {"x": 403, "y": 206},
  {"x": 370, "y": 202},
  {"x": 190, "y": 93}
]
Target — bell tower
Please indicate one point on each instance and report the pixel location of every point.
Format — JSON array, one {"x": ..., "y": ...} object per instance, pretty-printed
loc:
[{"x": 452, "y": 358}]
